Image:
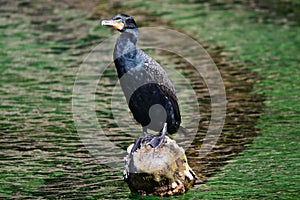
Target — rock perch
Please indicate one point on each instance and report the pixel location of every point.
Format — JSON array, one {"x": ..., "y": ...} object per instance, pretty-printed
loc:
[{"x": 162, "y": 172}]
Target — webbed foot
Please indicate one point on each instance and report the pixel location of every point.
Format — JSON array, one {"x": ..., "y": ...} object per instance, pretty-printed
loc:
[
  {"x": 137, "y": 144},
  {"x": 157, "y": 141}
]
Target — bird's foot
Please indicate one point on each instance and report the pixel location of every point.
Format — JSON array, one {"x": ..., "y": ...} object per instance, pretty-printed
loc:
[
  {"x": 157, "y": 141},
  {"x": 137, "y": 144},
  {"x": 153, "y": 141},
  {"x": 147, "y": 137}
]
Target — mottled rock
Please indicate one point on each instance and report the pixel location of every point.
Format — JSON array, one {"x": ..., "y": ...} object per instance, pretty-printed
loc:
[{"x": 163, "y": 171}]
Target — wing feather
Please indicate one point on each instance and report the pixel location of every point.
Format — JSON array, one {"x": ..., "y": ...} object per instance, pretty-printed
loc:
[{"x": 154, "y": 69}]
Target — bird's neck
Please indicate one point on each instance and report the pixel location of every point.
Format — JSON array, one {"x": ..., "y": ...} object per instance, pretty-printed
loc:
[
  {"x": 126, "y": 43},
  {"x": 125, "y": 52}
]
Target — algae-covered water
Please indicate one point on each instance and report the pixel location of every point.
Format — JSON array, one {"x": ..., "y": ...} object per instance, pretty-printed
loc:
[{"x": 43, "y": 44}]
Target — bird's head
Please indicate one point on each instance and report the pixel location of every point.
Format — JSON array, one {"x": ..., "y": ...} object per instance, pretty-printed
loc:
[{"x": 121, "y": 22}]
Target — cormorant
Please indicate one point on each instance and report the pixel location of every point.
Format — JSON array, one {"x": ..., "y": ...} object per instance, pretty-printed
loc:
[{"x": 148, "y": 90}]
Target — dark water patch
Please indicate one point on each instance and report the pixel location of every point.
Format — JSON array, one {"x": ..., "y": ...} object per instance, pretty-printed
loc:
[
  {"x": 269, "y": 11},
  {"x": 285, "y": 11}
]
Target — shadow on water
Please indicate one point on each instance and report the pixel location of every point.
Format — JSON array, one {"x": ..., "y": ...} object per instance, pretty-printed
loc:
[{"x": 41, "y": 154}]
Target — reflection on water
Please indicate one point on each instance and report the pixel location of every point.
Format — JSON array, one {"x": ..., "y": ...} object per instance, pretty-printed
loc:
[{"x": 41, "y": 154}]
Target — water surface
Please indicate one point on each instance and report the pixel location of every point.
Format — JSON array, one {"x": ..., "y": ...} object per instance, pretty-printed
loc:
[{"x": 43, "y": 45}]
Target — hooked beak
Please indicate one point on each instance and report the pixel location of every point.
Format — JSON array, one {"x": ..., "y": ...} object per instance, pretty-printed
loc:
[
  {"x": 108, "y": 23},
  {"x": 114, "y": 23}
]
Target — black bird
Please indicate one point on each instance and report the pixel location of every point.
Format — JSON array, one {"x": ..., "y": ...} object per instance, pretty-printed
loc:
[{"x": 148, "y": 90}]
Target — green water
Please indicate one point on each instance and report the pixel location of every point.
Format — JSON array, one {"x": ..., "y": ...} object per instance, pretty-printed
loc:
[
  {"x": 269, "y": 169},
  {"x": 42, "y": 46}
]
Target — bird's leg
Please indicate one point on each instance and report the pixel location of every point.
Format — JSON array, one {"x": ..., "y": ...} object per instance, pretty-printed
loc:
[
  {"x": 155, "y": 142},
  {"x": 140, "y": 140},
  {"x": 145, "y": 132},
  {"x": 147, "y": 136}
]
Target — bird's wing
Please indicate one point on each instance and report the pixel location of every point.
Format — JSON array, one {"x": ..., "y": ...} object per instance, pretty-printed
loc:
[{"x": 158, "y": 74}]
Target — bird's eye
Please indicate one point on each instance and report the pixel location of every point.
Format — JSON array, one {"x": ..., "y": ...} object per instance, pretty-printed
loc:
[{"x": 121, "y": 20}]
